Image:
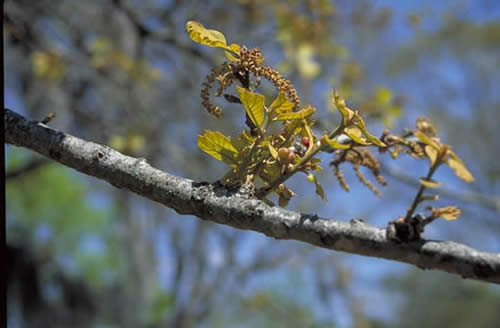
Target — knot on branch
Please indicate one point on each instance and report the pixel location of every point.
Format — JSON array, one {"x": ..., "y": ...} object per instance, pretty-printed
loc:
[{"x": 403, "y": 230}]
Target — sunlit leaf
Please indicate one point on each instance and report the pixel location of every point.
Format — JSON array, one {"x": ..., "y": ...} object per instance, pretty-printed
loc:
[
  {"x": 361, "y": 125},
  {"x": 198, "y": 33},
  {"x": 448, "y": 213},
  {"x": 230, "y": 56},
  {"x": 301, "y": 114},
  {"x": 459, "y": 168},
  {"x": 355, "y": 134},
  {"x": 254, "y": 105},
  {"x": 425, "y": 139},
  {"x": 432, "y": 153},
  {"x": 244, "y": 140},
  {"x": 430, "y": 183},
  {"x": 273, "y": 151},
  {"x": 234, "y": 48},
  {"x": 281, "y": 104},
  {"x": 218, "y": 146},
  {"x": 339, "y": 102}
]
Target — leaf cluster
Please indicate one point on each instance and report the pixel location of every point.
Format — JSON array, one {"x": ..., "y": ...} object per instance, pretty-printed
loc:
[{"x": 267, "y": 160}]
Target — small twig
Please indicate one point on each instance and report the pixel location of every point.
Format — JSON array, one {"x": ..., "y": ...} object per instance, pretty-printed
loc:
[
  {"x": 418, "y": 197},
  {"x": 48, "y": 118},
  {"x": 491, "y": 202}
]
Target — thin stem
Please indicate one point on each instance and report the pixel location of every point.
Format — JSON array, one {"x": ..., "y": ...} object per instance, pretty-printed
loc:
[{"x": 420, "y": 191}]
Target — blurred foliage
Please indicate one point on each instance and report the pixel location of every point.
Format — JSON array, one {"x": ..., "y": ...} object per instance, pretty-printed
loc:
[
  {"x": 31, "y": 205},
  {"x": 52, "y": 206},
  {"x": 455, "y": 302}
]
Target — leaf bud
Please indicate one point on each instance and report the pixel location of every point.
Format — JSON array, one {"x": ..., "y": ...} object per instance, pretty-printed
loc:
[
  {"x": 283, "y": 154},
  {"x": 306, "y": 141}
]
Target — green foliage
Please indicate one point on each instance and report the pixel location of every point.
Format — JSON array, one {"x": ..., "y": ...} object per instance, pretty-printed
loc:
[
  {"x": 64, "y": 211},
  {"x": 218, "y": 146},
  {"x": 270, "y": 159},
  {"x": 48, "y": 65},
  {"x": 64, "y": 208},
  {"x": 300, "y": 115},
  {"x": 254, "y": 106},
  {"x": 211, "y": 38}
]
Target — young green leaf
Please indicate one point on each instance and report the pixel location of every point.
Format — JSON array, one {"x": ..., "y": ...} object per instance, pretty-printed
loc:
[
  {"x": 448, "y": 213},
  {"x": 459, "y": 168},
  {"x": 212, "y": 38},
  {"x": 243, "y": 141},
  {"x": 272, "y": 151},
  {"x": 361, "y": 125},
  {"x": 356, "y": 134},
  {"x": 429, "y": 183},
  {"x": 426, "y": 140},
  {"x": 281, "y": 104},
  {"x": 339, "y": 102},
  {"x": 254, "y": 105},
  {"x": 230, "y": 56},
  {"x": 301, "y": 114},
  {"x": 218, "y": 146},
  {"x": 432, "y": 153},
  {"x": 234, "y": 48}
]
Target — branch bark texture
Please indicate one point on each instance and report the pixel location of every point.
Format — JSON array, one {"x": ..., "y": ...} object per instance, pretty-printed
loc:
[{"x": 213, "y": 202}]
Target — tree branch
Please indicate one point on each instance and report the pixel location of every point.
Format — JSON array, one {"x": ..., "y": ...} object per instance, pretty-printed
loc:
[{"x": 212, "y": 202}]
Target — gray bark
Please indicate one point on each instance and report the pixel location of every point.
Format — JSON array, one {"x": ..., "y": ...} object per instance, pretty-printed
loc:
[{"x": 212, "y": 202}]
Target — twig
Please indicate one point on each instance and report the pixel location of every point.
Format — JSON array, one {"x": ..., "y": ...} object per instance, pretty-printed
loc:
[
  {"x": 491, "y": 202},
  {"x": 417, "y": 200}
]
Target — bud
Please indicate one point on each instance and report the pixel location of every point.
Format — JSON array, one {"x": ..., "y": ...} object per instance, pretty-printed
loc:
[
  {"x": 283, "y": 153},
  {"x": 305, "y": 141}
]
